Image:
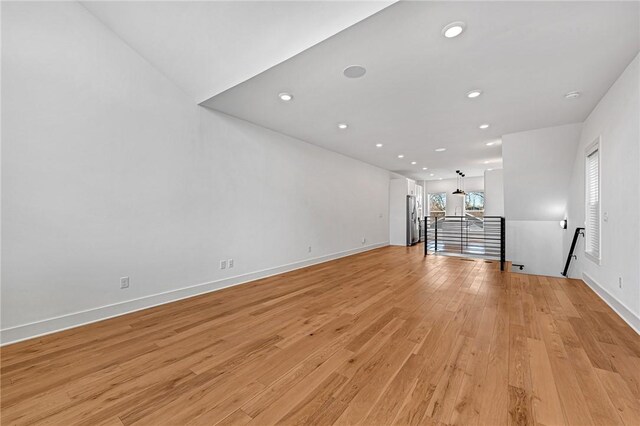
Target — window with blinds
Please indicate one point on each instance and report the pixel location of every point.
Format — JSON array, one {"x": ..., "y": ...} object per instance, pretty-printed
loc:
[{"x": 592, "y": 201}]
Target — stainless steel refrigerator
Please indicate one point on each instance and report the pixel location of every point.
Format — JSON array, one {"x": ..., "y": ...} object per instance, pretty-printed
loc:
[{"x": 413, "y": 232}]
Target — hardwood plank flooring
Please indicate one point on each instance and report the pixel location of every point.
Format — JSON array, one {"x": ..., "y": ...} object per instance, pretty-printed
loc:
[{"x": 383, "y": 337}]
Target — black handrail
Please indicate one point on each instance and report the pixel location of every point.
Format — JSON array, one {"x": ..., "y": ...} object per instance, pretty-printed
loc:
[
  {"x": 474, "y": 237},
  {"x": 579, "y": 231}
]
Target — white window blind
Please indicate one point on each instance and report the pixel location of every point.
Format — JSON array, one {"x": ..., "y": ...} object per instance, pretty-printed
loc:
[{"x": 592, "y": 201}]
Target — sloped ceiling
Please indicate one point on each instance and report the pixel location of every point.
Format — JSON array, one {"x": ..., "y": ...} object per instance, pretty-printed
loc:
[
  {"x": 524, "y": 56},
  {"x": 206, "y": 47},
  {"x": 236, "y": 57}
]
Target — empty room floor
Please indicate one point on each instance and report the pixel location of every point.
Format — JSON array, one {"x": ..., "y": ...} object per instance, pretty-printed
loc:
[{"x": 383, "y": 337}]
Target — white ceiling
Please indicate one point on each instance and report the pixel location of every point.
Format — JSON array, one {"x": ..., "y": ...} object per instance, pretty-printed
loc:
[
  {"x": 206, "y": 47},
  {"x": 524, "y": 56}
]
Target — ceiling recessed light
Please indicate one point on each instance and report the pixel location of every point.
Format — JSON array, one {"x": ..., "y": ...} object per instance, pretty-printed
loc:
[
  {"x": 486, "y": 162},
  {"x": 474, "y": 93},
  {"x": 572, "y": 95},
  {"x": 413, "y": 162},
  {"x": 454, "y": 29},
  {"x": 439, "y": 178},
  {"x": 285, "y": 96},
  {"x": 342, "y": 126},
  {"x": 400, "y": 156},
  {"x": 441, "y": 149},
  {"x": 431, "y": 174},
  {"x": 424, "y": 168},
  {"x": 489, "y": 169},
  {"x": 484, "y": 126},
  {"x": 490, "y": 143},
  {"x": 378, "y": 145},
  {"x": 354, "y": 71}
]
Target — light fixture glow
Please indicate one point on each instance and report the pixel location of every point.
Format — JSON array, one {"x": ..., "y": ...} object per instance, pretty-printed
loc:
[
  {"x": 572, "y": 95},
  {"x": 285, "y": 96},
  {"x": 563, "y": 224},
  {"x": 453, "y": 29},
  {"x": 486, "y": 162},
  {"x": 431, "y": 174},
  {"x": 439, "y": 178},
  {"x": 342, "y": 126},
  {"x": 378, "y": 145},
  {"x": 484, "y": 126},
  {"x": 441, "y": 149},
  {"x": 425, "y": 168},
  {"x": 413, "y": 162},
  {"x": 474, "y": 93},
  {"x": 490, "y": 170},
  {"x": 400, "y": 156},
  {"x": 490, "y": 143}
]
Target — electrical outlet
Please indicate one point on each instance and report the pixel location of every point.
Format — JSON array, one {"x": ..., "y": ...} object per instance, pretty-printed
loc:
[
  {"x": 230, "y": 263},
  {"x": 309, "y": 249},
  {"x": 620, "y": 282},
  {"x": 223, "y": 264},
  {"x": 124, "y": 282}
]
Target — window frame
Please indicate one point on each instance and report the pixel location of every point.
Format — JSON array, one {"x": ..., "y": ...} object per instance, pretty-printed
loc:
[
  {"x": 444, "y": 210},
  {"x": 474, "y": 192},
  {"x": 594, "y": 147}
]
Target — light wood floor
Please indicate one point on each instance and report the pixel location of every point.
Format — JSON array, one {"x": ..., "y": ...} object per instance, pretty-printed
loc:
[{"x": 385, "y": 337}]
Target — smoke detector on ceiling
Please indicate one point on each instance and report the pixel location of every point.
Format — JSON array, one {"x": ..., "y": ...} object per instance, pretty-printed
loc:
[{"x": 354, "y": 71}]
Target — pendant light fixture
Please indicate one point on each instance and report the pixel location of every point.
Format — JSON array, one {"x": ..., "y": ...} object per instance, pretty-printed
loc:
[{"x": 459, "y": 183}]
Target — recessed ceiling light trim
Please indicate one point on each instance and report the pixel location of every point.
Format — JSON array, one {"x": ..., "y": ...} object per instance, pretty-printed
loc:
[
  {"x": 572, "y": 95},
  {"x": 400, "y": 156},
  {"x": 483, "y": 126},
  {"x": 286, "y": 97},
  {"x": 453, "y": 29},
  {"x": 472, "y": 94},
  {"x": 378, "y": 145},
  {"x": 440, "y": 149},
  {"x": 343, "y": 126}
]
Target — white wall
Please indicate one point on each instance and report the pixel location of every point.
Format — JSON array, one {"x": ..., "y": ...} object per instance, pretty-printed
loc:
[
  {"x": 616, "y": 120},
  {"x": 399, "y": 189},
  {"x": 493, "y": 193},
  {"x": 454, "y": 203},
  {"x": 537, "y": 170},
  {"x": 536, "y": 175},
  {"x": 536, "y": 244},
  {"x": 109, "y": 170}
]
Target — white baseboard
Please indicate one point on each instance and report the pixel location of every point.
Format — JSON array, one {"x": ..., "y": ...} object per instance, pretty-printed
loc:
[
  {"x": 620, "y": 308},
  {"x": 76, "y": 319}
]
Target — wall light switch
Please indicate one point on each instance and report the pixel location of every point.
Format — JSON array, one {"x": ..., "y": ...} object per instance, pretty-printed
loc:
[
  {"x": 223, "y": 264},
  {"x": 230, "y": 263},
  {"x": 124, "y": 282}
]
